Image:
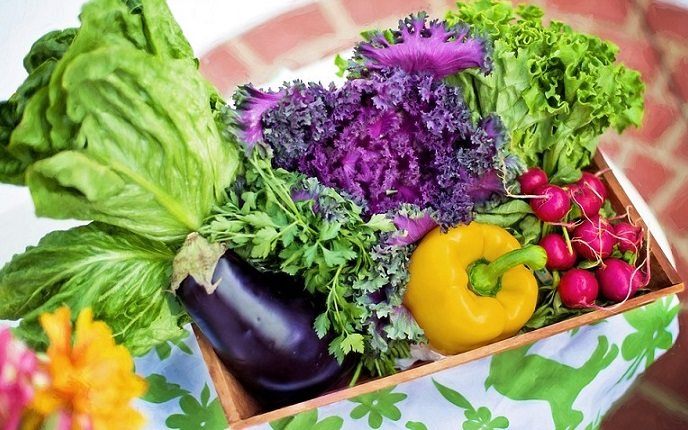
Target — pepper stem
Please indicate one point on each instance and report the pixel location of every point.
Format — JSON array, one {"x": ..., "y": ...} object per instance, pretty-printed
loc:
[{"x": 485, "y": 278}]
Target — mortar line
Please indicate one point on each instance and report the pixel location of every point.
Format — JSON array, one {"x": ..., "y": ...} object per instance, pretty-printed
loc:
[
  {"x": 338, "y": 17},
  {"x": 438, "y": 8},
  {"x": 246, "y": 54}
]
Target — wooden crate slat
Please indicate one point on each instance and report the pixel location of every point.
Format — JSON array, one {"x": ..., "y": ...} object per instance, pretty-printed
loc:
[{"x": 242, "y": 411}]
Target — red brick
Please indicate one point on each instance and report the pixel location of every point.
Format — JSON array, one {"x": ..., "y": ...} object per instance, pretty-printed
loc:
[
  {"x": 608, "y": 10},
  {"x": 635, "y": 411},
  {"x": 287, "y": 31},
  {"x": 682, "y": 148},
  {"x": 646, "y": 174},
  {"x": 676, "y": 215},
  {"x": 335, "y": 47},
  {"x": 636, "y": 53},
  {"x": 363, "y": 12},
  {"x": 679, "y": 78},
  {"x": 610, "y": 148},
  {"x": 658, "y": 117},
  {"x": 221, "y": 67},
  {"x": 668, "y": 19}
]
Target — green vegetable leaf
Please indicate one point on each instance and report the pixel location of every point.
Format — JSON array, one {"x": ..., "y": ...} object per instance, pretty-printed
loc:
[
  {"x": 352, "y": 342},
  {"x": 124, "y": 132},
  {"x": 322, "y": 325},
  {"x": 120, "y": 275},
  {"x": 39, "y": 63},
  {"x": 342, "y": 65},
  {"x": 556, "y": 90},
  {"x": 153, "y": 172},
  {"x": 506, "y": 214},
  {"x": 329, "y": 231},
  {"x": 341, "y": 258},
  {"x": 380, "y": 222}
]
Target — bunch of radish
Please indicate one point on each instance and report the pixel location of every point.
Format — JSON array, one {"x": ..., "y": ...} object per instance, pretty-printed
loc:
[{"x": 588, "y": 240}]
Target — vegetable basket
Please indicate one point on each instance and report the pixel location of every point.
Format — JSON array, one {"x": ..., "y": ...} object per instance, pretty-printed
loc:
[{"x": 243, "y": 412}]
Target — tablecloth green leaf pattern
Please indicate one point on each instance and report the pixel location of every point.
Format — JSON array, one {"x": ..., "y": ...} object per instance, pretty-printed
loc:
[{"x": 565, "y": 382}]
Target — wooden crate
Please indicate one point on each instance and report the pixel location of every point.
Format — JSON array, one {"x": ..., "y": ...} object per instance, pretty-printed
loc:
[{"x": 242, "y": 411}]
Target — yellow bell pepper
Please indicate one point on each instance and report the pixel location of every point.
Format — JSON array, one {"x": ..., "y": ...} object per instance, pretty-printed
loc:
[{"x": 469, "y": 287}]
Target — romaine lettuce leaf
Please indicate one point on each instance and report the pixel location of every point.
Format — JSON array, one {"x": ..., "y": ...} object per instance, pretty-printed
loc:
[
  {"x": 125, "y": 132},
  {"x": 118, "y": 274},
  {"x": 39, "y": 63},
  {"x": 151, "y": 158}
]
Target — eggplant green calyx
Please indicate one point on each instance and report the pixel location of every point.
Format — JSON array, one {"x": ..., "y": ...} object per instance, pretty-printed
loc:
[{"x": 197, "y": 258}]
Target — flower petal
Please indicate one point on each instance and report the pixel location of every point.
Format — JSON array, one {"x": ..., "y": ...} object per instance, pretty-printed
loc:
[
  {"x": 419, "y": 46},
  {"x": 58, "y": 328},
  {"x": 91, "y": 384}
]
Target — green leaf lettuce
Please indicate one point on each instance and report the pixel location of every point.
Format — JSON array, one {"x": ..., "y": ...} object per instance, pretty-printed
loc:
[
  {"x": 556, "y": 90},
  {"x": 118, "y": 274}
]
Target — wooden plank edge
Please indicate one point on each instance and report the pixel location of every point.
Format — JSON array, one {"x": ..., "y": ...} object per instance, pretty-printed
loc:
[
  {"x": 235, "y": 401},
  {"x": 430, "y": 368},
  {"x": 616, "y": 188},
  {"x": 449, "y": 362}
]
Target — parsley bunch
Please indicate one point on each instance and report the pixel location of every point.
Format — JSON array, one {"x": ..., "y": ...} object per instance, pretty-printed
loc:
[{"x": 284, "y": 221}]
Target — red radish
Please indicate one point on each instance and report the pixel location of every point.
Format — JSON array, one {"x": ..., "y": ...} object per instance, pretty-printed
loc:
[
  {"x": 594, "y": 239},
  {"x": 578, "y": 288},
  {"x": 553, "y": 204},
  {"x": 593, "y": 183},
  {"x": 559, "y": 257},
  {"x": 589, "y": 202},
  {"x": 629, "y": 237},
  {"x": 532, "y": 179},
  {"x": 616, "y": 276}
]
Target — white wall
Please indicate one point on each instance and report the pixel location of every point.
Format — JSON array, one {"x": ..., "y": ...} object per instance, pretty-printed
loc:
[{"x": 205, "y": 22}]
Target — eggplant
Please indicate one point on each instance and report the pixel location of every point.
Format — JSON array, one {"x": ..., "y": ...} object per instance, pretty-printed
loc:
[{"x": 261, "y": 326}]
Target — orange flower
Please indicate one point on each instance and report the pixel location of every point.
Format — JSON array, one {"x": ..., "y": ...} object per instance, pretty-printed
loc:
[{"x": 92, "y": 381}]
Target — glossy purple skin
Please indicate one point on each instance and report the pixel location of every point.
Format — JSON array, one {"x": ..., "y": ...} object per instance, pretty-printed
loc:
[
  {"x": 558, "y": 255},
  {"x": 598, "y": 234},
  {"x": 590, "y": 181},
  {"x": 615, "y": 276},
  {"x": 532, "y": 179},
  {"x": 554, "y": 206},
  {"x": 261, "y": 326},
  {"x": 630, "y": 237},
  {"x": 578, "y": 288}
]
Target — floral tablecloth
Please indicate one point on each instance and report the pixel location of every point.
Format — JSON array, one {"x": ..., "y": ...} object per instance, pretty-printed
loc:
[{"x": 567, "y": 381}]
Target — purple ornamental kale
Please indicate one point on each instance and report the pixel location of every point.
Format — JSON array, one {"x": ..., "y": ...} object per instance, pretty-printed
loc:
[
  {"x": 254, "y": 104},
  {"x": 411, "y": 229},
  {"x": 435, "y": 48},
  {"x": 397, "y": 134}
]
